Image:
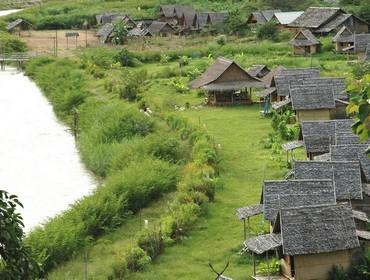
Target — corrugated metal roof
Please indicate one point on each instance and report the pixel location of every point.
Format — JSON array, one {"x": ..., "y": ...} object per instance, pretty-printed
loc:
[{"x": 287, "y": 17}]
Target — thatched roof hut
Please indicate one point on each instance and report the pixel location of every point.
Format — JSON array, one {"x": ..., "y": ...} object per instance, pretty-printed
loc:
[
  {"x": 346, "y": 176},
  {"x": 353, "y": 153},
  {"x": 19, "y": 24},
  {"x": 225, "y": 77},
  {"x": 343, "y": 39},
  {"x": 304, "y": 43},
  {"x": 105, "y": 32},
  {"x": 295, "y": 193}
]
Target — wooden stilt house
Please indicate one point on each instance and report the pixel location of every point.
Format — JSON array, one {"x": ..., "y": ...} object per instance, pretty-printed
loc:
[
  {"x": 226, "y": 83},
  {"x": 305, "y": 43}
]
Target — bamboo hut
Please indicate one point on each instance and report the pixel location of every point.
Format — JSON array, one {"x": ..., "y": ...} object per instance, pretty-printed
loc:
[
  {"x": 344, "y": 39},
  {"x": 18, "y": 25},
  {"x": 309, "y": 241},
  {"x": 226, "y": 83},
  {"x": 305, "y": 43}
]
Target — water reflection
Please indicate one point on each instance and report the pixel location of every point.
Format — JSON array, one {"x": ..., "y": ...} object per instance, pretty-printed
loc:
[{"x": 38, "y": 158}]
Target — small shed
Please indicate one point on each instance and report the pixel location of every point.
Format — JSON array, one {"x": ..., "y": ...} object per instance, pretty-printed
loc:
[
  {"x": 18, "y": 25},
  {"x": 227, "y": 83},
  {"x": 305, "y": 43},
  {"x": 343, "y": 39},
  {"x": 159, "y": 28},
  {"x": 312, "y": 101},
  {"x": 72, "y": 34}
]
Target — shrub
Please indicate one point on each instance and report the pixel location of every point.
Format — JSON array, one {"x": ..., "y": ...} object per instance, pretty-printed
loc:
[
  {"x": 179, "y": 85},
  {"x": 221, "y": 40},
  {"x": 268, "y": 31},
  {"x": 10, "y": 43},
  {"x": 152, "y": 242},
  {"x": 125, "y": 58},
  {"x": 133, "y": 85},
  {"x": 136, "y": 259}
]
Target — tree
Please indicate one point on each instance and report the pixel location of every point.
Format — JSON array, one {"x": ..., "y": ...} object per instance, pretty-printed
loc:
[
  {"x": 359, "y": 107},
  {"x": 268, "y": 31},
  {"x": 235, "y": 22},
  {"x": 364, "y": 12},
  {"x": 15, "y": 259},
  {"x": 119, "y": 33}
]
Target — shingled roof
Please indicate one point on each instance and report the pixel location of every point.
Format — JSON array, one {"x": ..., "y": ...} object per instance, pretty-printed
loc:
[
  {"x": 314, "y": 17},
  {"x": 258, "y": 71},
  {"x": 283, "y": 78},
  {"x": 344, "y": 35},
  {"x": 304, "y": 38},
  {"x": 353, "y": 153},
  {"x": 334, "y": 23},
  {"x": 338, "y": 84},
  {"x": 263, "y": 243},
  {"x": 249, "y": 211},
  {"x": 158, "y": 27},
  {"x": 218, "y": 18},
  {"x": 212, "y": 78},
  {"x": 319, "y": 135},
  {"x": 295, "y": 193},
  {"x": 346, "y": 175},
  {"x": 269, "y": 78},
  {"x": 167, "y": 11},
  {"x": 312, "y": 96},
  {"x": 317, "y": 229},
  {"x": 361, "y": 41}
]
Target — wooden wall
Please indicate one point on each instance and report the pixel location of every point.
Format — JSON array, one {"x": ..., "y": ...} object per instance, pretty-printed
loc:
[
  {"x": 313, "y": 115},
  {"x": 316, "y": 267},
  {"x": 302, "y": 51}
]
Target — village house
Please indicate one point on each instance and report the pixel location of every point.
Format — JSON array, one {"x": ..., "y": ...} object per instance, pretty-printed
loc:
[
  {"x": 112, "y": 17},
  {"x": 324, "y": 20},
  {"x": 104, "y": 33},
  {"x": 343, "y": 39},
  {"x": 309, "y": 240},
  {"x": 305, "y": 43},
  {"x": 262, "y": 17},
  {"x": 312, "y": 101},
  {"x": 226, "y": 83},
  {"x": 159, "y": 28},
  {"x": 176, "y": 15},
  {"x": 18, "y": 25}
]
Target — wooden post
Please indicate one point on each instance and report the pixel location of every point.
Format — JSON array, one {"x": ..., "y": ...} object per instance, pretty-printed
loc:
[
  {"x": 245, "y": 232},
  {"x": 76, "y": 41},
  {"x": 56, "y": 42},
  {"x": 67, "y": 42},
  {"x": 254, "y": 264}
]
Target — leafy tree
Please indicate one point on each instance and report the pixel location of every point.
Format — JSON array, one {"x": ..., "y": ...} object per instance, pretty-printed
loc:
[
  {"x": 364, "y": 12},
  {"x": 235, "y": 22},
  {"x": 15, "y": 259},
  {"x": 125, "y": 58},
  {"x": 119, "y": 33},
  {"x": 359, "y": 107},
  {"x": 268, "y": 31}
]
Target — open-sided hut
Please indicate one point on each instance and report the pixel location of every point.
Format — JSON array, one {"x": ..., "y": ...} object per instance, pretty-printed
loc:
[
  {"x": 344, "y": 39},
  {"x": 312, "y": 101},
  {"x": 295, "y": 193},
  {"x": 305, "y": 43},
  {"x": 227, "y": 83},
  {"x": 324, "y": 20},
  {"x": 262, "y": 17},
  {"x": 159, "y": 28},
  {"x": 345, "y": 174},
  {"x": 18, "y": 25},
  {"x": 310, "y": 240}
]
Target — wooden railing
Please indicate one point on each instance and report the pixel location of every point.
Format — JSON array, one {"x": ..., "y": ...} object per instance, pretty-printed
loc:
[{"x": 17, "y": 58}]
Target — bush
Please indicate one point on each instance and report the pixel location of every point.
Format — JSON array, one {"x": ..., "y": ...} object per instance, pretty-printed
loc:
[
  {"x": 125, "y": 58},
  {"x": 221, "y": 40},
  {"x": 136, "y": 259},
  {"x": 10, "y": 43},
  {"x": 133, "y": 85},
  {"x": 268, "y": 31},
  {"x": 152, "y": 242}
]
